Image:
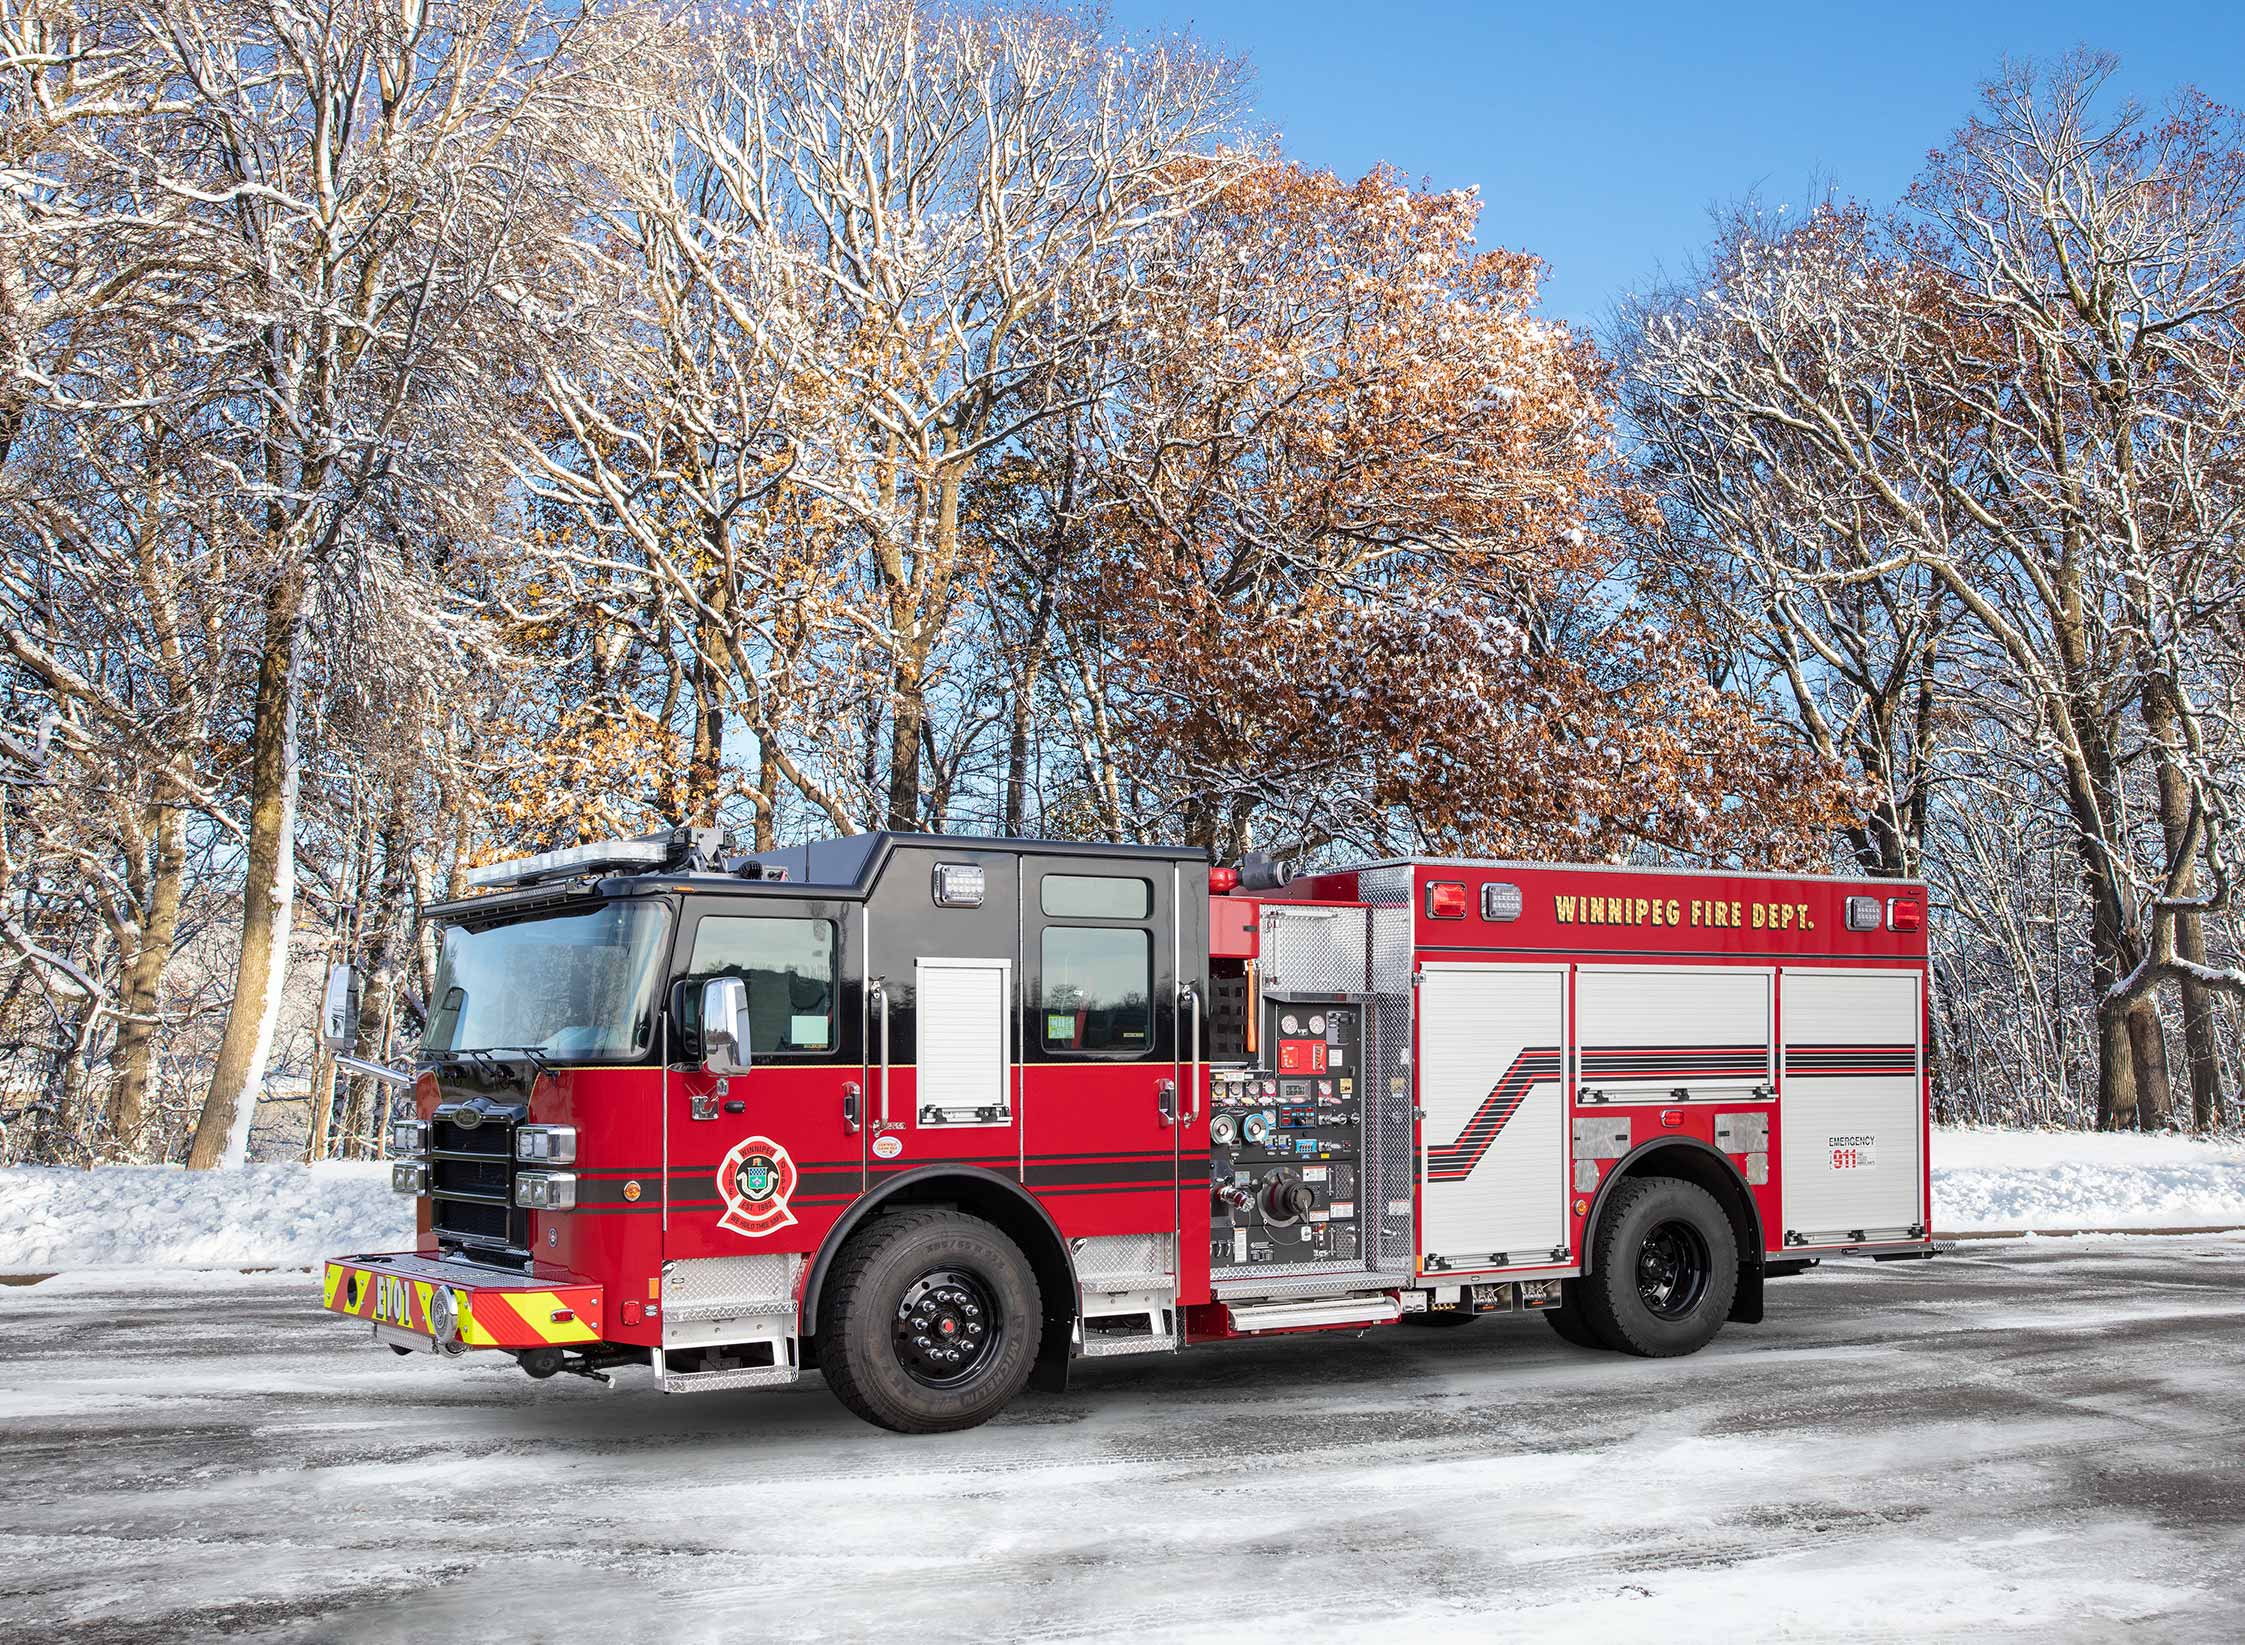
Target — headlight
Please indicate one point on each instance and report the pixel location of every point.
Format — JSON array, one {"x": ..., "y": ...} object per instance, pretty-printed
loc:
[
  {"x": 546, "y": 1144},
  {"x": 444, "y": 1313},
  {"x": 546, "y": 1190},
  {"x": 409, "y": 1177},
  {"x": 409, "y": 1137}
]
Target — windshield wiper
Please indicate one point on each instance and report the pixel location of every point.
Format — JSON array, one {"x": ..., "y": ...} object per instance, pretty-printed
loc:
[{"x": 535, "y": 1055}]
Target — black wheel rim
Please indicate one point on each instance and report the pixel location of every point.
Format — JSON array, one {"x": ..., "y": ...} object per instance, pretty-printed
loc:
[
  {"x": 1673, "y": 1268},
  {"x": 947, "y": 1329}
]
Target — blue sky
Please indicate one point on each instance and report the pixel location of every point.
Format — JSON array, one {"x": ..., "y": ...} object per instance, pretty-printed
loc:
[{"x": 1600, "y": 135}]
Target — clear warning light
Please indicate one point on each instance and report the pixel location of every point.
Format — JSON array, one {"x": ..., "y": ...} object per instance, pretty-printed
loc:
[{"x": 1500, "y": 900}]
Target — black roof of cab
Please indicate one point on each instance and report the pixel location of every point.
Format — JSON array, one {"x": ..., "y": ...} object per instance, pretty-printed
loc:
[
  {"x": 854, "y": 861},
  {"x": 845, "y": 867}
]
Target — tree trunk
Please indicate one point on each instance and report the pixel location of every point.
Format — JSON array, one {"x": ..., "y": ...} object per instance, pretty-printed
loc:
[
  {"x": 2201, "y": 1035},
  {"x": 2116, "y": 1071},
  {"x": 268, "y": 888},
  {"x": 705, "y": 771},
  {"x": 135, "y": 1053},
  {"x": 2116, "y": 1078},
  {"x": 1024, "y": 714},
  {"x": 917, "y": 611},
  {"x": 2147, "y": 1045},
  {"x": 323, "y": 1108},
  {"x": 767, "y": 797},
  {"x": 366, "y": 1109},
  {"x": 910, "y": 692},
  {"x": 2200, "y": 1043},
  {"x": 705, "y": 767}
]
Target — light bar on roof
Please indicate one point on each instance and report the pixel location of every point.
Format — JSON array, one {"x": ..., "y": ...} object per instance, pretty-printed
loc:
[{"x": 580, "y": 859}]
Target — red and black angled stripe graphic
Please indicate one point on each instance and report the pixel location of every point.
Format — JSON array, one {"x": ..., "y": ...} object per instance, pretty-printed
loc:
[
  {"x": 1453, "y": 1161},
  {"x": 1851, "y": 1061},
  {"x": 1681, "y": 1064},
  {"x": 837, "y": 1182}
]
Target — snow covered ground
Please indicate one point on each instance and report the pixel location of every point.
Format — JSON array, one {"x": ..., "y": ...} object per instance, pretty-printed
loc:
[
  {"x": 261, "y": 1216},
  {"x": 2076, "y": 1179},
  {"x": 273, "y": 1216},
  {"x": 2030, "y": 1441}
]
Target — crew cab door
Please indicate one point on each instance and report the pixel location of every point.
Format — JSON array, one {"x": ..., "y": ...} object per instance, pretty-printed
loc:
[
  {"x": 1107, "y": 1097},
  {"x": 765, "y": 1161}
]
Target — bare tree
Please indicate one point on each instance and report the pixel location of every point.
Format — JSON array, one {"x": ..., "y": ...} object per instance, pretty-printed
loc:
[{"x": 2027, "y": 388}]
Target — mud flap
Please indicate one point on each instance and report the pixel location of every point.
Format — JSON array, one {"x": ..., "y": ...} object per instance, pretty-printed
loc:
[
  {"x": 1746, "y": 1306},
  {"x": 1050, "y": 1374}
]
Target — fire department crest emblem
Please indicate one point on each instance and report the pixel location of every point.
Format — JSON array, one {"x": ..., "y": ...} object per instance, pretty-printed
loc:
[{"x": 755, "y": 1183}]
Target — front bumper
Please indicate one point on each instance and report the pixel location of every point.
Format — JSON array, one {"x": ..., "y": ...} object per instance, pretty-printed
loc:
[{"x": 488, "y": 1308}]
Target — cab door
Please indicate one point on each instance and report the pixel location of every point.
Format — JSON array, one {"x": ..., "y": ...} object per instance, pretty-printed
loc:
[
  {"x": 1106, "y": 1098},
  {"x": 764, "y": 1162}
]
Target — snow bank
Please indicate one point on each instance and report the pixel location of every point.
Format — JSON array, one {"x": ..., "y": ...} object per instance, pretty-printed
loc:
[
  {"x": 288, "y": 1216},
  {"x": 1985, "y": 1179},
  {"x": 258, "y": 1216}
]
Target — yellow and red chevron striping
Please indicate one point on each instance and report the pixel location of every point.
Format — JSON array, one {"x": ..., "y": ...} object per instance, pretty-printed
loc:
[{"x": 525, "y": 1315}]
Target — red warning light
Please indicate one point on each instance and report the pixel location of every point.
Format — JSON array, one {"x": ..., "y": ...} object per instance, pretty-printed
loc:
[
  {"x": 1221, "y": 880},
  {"x": 1446, "y": 900},
  {"x": 1905, "y": 914}
]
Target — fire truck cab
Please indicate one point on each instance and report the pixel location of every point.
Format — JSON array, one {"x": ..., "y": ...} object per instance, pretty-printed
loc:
[{"x": 938, "y": 1116}]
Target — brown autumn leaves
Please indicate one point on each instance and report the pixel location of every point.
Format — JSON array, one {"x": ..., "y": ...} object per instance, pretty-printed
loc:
[{"x": 1317, "y": 540}]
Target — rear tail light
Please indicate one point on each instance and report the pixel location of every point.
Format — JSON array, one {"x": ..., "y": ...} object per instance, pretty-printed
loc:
[
  {"x": 1905, "y": 914},
  {"x": 409, "y": 1177},
  {"x": 1446, "y": 900}
]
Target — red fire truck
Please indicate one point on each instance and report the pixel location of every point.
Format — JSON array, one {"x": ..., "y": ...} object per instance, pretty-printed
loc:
[{"x": 939, "y": 1115}]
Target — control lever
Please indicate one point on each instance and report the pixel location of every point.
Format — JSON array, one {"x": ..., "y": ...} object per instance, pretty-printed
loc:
[
  {"x": 850, "y": 1097},
  {"x": 1165, "y": 1101}
]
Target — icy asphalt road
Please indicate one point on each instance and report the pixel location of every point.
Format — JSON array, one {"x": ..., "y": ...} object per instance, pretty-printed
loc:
[{"x": 2026, "y": 1441}]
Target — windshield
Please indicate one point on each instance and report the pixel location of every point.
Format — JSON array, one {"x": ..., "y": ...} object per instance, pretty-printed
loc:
[{"x": 579, "y": 984}]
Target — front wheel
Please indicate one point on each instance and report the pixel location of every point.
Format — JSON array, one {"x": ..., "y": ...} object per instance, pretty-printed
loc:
[
  {"x": 932, "y": 1322},
  {"x": 1664, "y": 1269}
]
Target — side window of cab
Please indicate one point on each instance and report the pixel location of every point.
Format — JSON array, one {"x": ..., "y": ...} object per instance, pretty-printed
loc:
[
  {"x": 1095, "y": 966},
  {"x": 789, "y": 964}
]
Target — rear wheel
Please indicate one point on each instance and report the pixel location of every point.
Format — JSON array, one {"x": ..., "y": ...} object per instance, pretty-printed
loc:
[
  {"x": 1664, "y": 1269},
  {"x": 1568, "y": 1320},
  {"x": 932, "y": 1322}
]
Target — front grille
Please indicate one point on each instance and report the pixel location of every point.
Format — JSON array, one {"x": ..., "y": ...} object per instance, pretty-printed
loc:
[
  {"x": 471, "y": 1190},
  {"x": 489, "y": 1141},
  {"x": 474, "y": 1223},
  {"x": 467, "y": 1177}
]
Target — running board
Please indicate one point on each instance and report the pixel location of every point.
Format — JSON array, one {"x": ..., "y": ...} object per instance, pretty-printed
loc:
[
  {"x": 681, "y": 1381},
  {"x": 1109, "y": 1347},
  {"x": 1147, "y": 1326},
  {"x": 1313, "y": 1313}
]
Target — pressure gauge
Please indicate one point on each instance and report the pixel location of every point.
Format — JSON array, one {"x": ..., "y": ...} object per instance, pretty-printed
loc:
[
  {"x": 1317, "y": 1024},
  {"x": 1290, "y": 1024},
  {"x": 1256, "y": 1128},
  {"x": 1222, "y": 1128}
]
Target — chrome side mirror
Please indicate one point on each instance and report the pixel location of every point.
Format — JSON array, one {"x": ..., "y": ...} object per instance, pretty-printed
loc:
[
  {"x": 339, "y": 1012},
  {"x": 725, "y": 1036}
]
